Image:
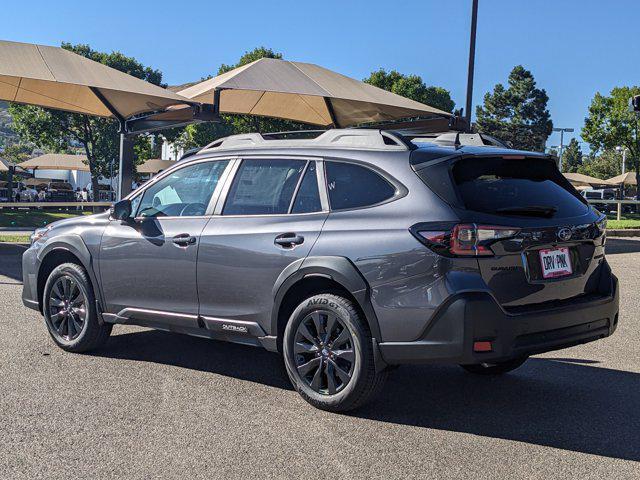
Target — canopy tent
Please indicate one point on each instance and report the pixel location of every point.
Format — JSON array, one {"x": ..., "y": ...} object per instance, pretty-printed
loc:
[
  {"x": 57, "y": 161},
  {"x": 34, "y": 182},
  {"x": 155, "y": 165},
  {"x": 628, "y": 178},
  {"x": 585, "y": 180},
  {"x": 305, "y": 93},
  {"x": 57, "y": 78}
]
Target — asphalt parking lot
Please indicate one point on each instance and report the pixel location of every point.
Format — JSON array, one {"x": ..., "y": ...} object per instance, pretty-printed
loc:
[{"x": 157, "y": 405}]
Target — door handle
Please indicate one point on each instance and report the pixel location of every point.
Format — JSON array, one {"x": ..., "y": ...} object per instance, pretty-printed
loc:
[
  {"x": 184, "y": 240},
  {"x": 289, "y": 240}
]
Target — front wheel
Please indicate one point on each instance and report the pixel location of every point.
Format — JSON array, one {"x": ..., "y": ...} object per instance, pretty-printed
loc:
[
  {"x": 69, "y": 309},
  {"x": 328, "y": 352},
  {"x": 495, "y": 368}
]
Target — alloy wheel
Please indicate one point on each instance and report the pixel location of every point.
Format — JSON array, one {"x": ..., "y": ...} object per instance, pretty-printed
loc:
[
  {"x": 67, "y": 305},
  {"x": 324, "y": 352}
]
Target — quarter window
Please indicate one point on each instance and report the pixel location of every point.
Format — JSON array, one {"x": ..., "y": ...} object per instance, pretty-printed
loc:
[
  {"x": 185, "y": 192},
  {"x": 263, "y": 187},
  {"x": 353, "y": 186}
]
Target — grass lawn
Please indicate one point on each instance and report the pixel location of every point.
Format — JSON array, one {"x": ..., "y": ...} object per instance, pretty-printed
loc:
[
  {"x": 628, "y": 220},
  {"x": 34, "y": 218},
  {"x": 14, "y": 238}
]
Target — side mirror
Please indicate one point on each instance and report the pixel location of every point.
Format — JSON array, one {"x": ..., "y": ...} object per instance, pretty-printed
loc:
[{"x": 121, "y": 210}]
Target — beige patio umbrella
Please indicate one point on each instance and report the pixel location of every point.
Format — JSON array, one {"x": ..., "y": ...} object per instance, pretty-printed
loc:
[
  {"x": 3, "y": 166},
  {"x": 57, "y": 78},
  {"x": 306, "y": 93},
  {"x": 628, "y": 178},
  {"x": 56, "y": 161},
  {"x": 155, "y": 165},
  {"x": 585, "y": 180}
]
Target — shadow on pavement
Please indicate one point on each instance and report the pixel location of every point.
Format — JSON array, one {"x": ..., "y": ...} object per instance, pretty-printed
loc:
[
  {"x": 11, "y": 261},
  {"x": 562, "y": 403},
  {"x": 622, "y": 245}
]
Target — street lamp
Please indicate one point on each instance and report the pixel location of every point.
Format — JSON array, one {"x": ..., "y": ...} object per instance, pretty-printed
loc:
[
  {"x": 561, "y": 130},
  {"x": 624, "y": 156}
]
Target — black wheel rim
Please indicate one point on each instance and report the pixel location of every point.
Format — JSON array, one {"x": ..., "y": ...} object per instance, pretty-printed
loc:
[
  {"x": 324, "y": 352},
  {"x": 67, "y": 308}
]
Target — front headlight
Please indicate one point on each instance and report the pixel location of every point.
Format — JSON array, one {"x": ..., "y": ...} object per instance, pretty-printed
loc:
[{"x": 39, "y": 233}]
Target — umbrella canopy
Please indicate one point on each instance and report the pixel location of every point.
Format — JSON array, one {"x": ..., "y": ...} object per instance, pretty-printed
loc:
[
  {"x": 585, "y": 180},
  {"x": 155, "y": 165},
  {"x": 3, "y": 166},
  {"x": 306, "y": 93},
  {"x": 57, "y": 161},
  {"x": 34, "y": 182},
  {"x": 628, "y": 178},
  {"x": 57, "y": 78}
]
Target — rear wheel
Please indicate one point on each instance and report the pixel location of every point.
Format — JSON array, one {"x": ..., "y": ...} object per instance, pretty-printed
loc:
[
  {"x": 328, "y": 352},
  {"x": 69, "y": 309},
  {"x": 495, "y": 368}
]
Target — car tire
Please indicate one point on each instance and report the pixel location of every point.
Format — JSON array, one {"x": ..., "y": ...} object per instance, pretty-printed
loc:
[
  {"x": 495, "y": 368},
  {"x": 329, "y": 330},
  {"x": 69, "y": 309}
]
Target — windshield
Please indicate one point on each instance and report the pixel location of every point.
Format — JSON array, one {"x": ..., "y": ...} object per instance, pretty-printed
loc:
[{"x": 521, "y": 187}]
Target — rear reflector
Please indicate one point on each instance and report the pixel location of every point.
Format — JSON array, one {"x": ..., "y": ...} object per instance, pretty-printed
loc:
[{"x": 482, "y": 347}]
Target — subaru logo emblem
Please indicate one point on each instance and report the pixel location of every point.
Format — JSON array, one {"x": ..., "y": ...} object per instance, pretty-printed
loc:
[{"x": 564, "y": 234}]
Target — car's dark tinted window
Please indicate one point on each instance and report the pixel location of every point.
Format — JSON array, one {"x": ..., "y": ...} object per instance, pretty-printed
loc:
[
  {"x": 503, "y": 186},
  {"x": 352, "y": 186},
  {"x": 308, "y": 196},
  {"x": 263, "y": 187}
]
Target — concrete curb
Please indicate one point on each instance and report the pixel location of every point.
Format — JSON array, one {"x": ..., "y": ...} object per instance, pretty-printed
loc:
[{"x": 624, "y": 232}]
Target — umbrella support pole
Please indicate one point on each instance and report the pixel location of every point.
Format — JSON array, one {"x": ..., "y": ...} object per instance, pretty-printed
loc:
[{"x": 125, "y": 174}]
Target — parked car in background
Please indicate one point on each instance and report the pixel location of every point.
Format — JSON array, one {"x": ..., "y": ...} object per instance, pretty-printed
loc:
[
  {"x": 347, "y": 253},
  {"x": 4, "y": 191},
  {"x": 601, "y": 194},
  {"x": 60, "y": 192},
  {"x": 28, "y": 194}
]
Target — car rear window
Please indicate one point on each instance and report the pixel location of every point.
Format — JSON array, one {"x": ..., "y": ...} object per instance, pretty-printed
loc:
[{"x": 502, "y": 186}]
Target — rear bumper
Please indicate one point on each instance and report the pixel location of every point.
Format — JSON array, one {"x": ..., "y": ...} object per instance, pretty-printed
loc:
[{"x": 470, "y": 317}]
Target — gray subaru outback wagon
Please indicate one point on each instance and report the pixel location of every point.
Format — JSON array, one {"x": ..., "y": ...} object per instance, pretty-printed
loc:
[{"x": 347, "y": 253}]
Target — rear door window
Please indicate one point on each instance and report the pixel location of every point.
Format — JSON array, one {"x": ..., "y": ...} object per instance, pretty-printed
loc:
[
  {"x": 263, "y": 187},
  {"x": 308, "y": 196},
  {"x": 528, "y": 186},
  {"x": 354, "y": 186}
]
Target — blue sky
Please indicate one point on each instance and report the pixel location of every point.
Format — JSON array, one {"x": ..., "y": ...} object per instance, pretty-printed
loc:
[{"x": 574, "y": 48}]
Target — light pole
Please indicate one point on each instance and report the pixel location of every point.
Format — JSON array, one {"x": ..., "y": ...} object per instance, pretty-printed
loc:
[
  {"x": 624, "y": 156},
  {"x": 472, "y": 56},
  {"x": 561, "y": 130}
]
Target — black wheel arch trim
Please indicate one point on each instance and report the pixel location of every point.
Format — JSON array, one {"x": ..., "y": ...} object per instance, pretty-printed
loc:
[
  {"x": 75, "y": 245},
  {"x": 339, "y": 269}
]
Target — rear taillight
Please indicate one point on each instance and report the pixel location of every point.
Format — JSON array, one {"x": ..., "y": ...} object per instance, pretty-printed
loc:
[{"x": 463, "y": 239}]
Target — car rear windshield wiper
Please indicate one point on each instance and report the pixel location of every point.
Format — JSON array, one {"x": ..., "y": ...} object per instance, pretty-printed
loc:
[{"x": 529, "y": 210}]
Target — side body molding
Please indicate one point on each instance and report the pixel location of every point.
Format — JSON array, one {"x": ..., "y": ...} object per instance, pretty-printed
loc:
[{"x": 338, "y": 269}]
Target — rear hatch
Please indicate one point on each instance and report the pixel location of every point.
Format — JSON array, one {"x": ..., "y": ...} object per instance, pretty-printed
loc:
[{"x": 538, "y": 243}]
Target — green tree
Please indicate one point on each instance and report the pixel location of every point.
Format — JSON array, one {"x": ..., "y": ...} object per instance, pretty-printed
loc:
[
  {"x": 517, "y": 114},
  {"x": 411, "y": 86},
  {"x": 17, "y": 153},
  {"x": 604, "y": 165},
  {"x": 59, "y": 131},
  {"x": 572, "y": 157},
  {"x": 610, "y": 123}
]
